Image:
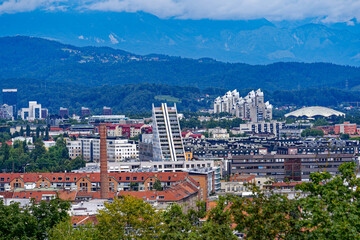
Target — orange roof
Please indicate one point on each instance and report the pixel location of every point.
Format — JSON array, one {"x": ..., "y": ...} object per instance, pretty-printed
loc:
[
  {"x": 286, "y": 184},
  {"x": 37, "y": 195},
  {"x": 94, "y": 177},
  {"x": 67, "y": 195},
  {"x": 175, "y": 193},
  {"x": 81, "y": 220}
]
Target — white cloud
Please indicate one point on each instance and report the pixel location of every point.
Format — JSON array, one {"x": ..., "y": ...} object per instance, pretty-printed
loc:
[
  {"x": 13, "y": 6},
  {"x": 326, "y": 10}
]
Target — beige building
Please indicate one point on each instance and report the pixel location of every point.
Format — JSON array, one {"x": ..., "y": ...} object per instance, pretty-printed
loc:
[
  {"x": 218, "y": 133},
  {"x": 74, "y": 148}
]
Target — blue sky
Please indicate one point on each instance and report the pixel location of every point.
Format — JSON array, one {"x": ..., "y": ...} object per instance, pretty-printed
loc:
[{"x": 275, "y": 10}]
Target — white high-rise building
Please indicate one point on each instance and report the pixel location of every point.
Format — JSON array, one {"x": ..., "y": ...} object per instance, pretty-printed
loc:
[
  {"x": 252, "y": 107},
  {"x": 167, "y": 141},
  {"x": 34, "y": 111}
]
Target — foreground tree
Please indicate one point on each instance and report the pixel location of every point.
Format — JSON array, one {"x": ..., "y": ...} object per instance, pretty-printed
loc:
[
  {"x": 129, "y": 218},
  {"x": 331, "y": 209},
  {"x": 32, "y": 222},
  {"x": 65, "y": 231},
  {"x": 266, "y": 215}
]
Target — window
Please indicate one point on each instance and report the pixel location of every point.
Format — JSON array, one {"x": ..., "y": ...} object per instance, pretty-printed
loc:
[
  {"x": 119, "y": 178},
  {"x": 127, "y": 178},
  {"x": 134, "y": 178}
]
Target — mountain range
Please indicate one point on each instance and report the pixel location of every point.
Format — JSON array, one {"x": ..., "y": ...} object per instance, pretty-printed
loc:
[
  {"x": 63, "y": 75},
  {"x": 253, "y": 41},
  {"x": 52, "y": 61}
]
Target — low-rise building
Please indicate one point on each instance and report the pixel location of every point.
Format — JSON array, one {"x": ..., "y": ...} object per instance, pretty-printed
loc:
[
  {"x": 345, "y": 128},
  {"x": 218, "y": 133},
  {"x": 295, "y": 167},
  {"x": 271, "y": 127}
]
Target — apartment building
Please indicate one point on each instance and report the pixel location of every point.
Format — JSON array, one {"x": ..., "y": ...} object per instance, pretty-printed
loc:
[
  {"x": 74, "y": 148},
  {"x": 167, "y": 141},
  {"x": 118, "y": 149},
  {"x": 272, "y": 127},
  {"x": 252, "y": 107}
]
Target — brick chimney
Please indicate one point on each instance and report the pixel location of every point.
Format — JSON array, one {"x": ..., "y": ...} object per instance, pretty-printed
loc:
[{"x": 104, "y": 184}]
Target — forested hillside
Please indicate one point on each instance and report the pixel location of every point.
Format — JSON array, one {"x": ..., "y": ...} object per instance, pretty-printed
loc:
[
  {"x": 137, "y": 98},
  {"x": 27, "y": 57}
]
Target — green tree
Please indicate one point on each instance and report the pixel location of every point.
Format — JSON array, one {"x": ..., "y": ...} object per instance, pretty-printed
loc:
[
  {"x": 128, "y": 218},
  {"x": 46, "y": 138},
  {"x": 28, "y": 131},
  {"x": 37, "y": 132},
  {"x": 266, "y": 215},
  {"x": 32, "y": 222},
  {"x": 218, "y": 223},
  {"x": 65, "y": 231},
  {"x": 48, "y": 214},
  {"x": 157, "y": 185},
  {"x": 16, "y": 223},
  {"x": 330, "y": 208},
  {"x": 312, "y": 133}
]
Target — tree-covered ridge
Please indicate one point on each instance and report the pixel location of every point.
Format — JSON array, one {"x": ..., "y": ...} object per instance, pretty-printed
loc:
[
  {"x": 29, "y": 57},
  {"x": 138, "y": 98}
]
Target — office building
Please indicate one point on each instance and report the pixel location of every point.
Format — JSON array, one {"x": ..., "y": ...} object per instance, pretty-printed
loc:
[
  {"x": 85, "y": 112},
  {"x": 167, "y": 141},
  {"x": 44, "y": 113},
  {"x": 6, "y": 112},
  {"x": 295, "y": 167},
  {"x": 118, "y": 149},
  {"x": 10, "y": 99},
  {"x": 33, "y": 112},
  {"x": 272, "y": 127},
  {"x": 107, "y": 111},
  {"x": 64, "y": 112},
  {"x": 115, "y": 119},
  {"x": 346, "y": 128},
  {"x": 252, "y": 107}
]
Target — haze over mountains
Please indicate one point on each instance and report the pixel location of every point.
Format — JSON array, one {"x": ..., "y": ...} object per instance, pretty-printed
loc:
[
  {"x": 253, "y": 41},
  {"x": 28, "y": 57},
  {"x": 57, "y": 74}
]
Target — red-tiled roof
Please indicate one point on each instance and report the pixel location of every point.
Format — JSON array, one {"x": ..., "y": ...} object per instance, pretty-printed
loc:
[
  {"x": 175, "y": 193},
  {"x": 93, "y": 177},
  {"x": 37, "y": 195},
  {"x": 82, "y": 220},
  {"x": 285, "y": 184}
]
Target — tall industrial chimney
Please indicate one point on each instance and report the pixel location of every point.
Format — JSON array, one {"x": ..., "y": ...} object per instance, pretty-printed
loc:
[{"x": 104, "y": 182}]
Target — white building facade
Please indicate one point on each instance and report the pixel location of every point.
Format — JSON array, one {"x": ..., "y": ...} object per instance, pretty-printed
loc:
[
  {"x": 34, "y": 111},
  {"x": 167, "y": 141},
  {"x": 252, "y": 107},
  {"x": 117, "y": 149}
]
